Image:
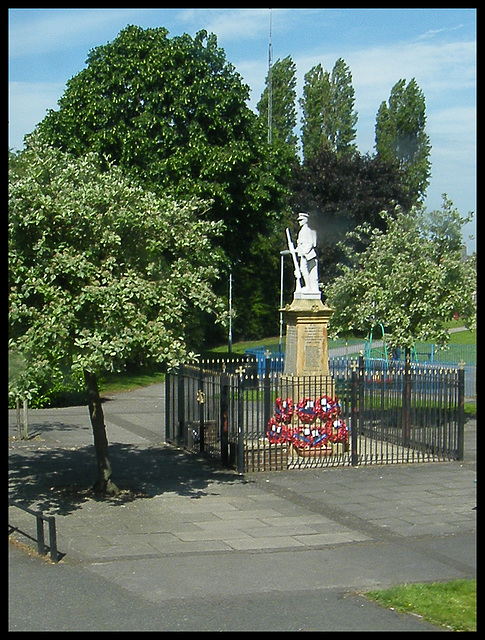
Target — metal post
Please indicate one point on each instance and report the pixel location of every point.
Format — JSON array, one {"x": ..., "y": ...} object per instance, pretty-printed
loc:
[
  {"x": 201, "y": 401},
  {"x": 40, "y": 535},
  {"x": 168, "y": 407},
  {"x": 281, "y": 301},
  {"x": 461, "y": 414},
  {"x": 361, "y": 386},
  {"x": 224, "y": 407},
  {"x": 52, "y": 538},
  {"x": 270, "y": 82},
  {"x": 267, "y": 391},
  {"x": 25, "y": 434},
  {"x": 19, "y": 430},
  {"x": 240, "y": 423},
  {"x": 406, "y": 401},
  {"x": 354, "y": 456},
  {"x": 181, "y": 406},
  {"x": 39, "y": 521},
  {"x": 283, "y": 253},
  {"x": 230, "y": 313}
]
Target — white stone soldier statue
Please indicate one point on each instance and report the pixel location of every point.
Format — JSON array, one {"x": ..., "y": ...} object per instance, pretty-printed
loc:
[{"x": 305, "y": 249}]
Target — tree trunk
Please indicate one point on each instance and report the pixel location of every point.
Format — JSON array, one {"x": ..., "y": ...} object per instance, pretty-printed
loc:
[{"x": 103, "y": 484}]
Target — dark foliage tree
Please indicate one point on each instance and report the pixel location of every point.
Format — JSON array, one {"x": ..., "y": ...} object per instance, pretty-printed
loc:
[{"x": 341, "y": 192}]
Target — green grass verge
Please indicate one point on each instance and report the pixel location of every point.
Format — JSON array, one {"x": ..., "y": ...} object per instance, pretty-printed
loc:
[
  {"x": 128, "y": 381},
  {"x": 460, "y": 337},
  {"x": 240, "y": 347},
  {"x": 450, "y": 604}
]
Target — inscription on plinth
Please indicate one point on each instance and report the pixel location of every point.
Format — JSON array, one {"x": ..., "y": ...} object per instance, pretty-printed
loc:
[
  {"x": 315, "y": 352},
  {"x": 290, "y": 352},
  {"x": 306, "y": 338}
]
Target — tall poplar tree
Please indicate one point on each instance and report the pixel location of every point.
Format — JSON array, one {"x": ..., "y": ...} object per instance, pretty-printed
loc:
[
  {"x": 329, "y": 118},
  {"x": 283, "y": 83},
  {"x": 401, "y": 135}
]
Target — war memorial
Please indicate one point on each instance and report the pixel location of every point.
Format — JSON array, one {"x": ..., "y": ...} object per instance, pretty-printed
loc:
[{"x": 304, "y": 409}]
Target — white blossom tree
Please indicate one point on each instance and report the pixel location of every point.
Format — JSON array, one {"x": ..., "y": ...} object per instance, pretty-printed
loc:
[
  {"x": 101, "y": 273},
  {"x": 411, "y": 279}
]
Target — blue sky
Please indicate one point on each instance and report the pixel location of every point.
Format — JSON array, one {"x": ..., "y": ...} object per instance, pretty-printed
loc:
[{"x": 381, "y": 46}]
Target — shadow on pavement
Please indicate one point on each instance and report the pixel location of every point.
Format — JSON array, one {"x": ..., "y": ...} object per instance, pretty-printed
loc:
[{"x": 60, "y": 479}]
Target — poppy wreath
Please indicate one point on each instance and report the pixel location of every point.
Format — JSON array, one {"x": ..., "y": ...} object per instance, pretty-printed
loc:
[
  {"x": 327, "y": 408},
  {"x": 306, "y": 410},
  {"x": 330, "y": 428},
  {"x": 306, "y": 436},
  {"x": 277, "y": 432},
  {"x": 340, "y": 432},
  {"x": 283, "y": 410}
]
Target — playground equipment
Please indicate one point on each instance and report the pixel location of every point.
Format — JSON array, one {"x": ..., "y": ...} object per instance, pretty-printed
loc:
[
  {"x": 376, "y": 351},
  {"x": 379, "y": 351}
]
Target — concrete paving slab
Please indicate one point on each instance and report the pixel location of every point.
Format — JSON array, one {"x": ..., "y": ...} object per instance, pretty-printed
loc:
[{"x": 195, "y": 533}]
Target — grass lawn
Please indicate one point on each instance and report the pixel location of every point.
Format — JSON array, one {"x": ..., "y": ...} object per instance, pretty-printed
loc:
[
  {"x": 128, "y": 381},
  {"x": 464, "y": 337},
  {"x": 240, "y": 347},
  {"x": 450, "y": 604},
  {"x": 272, "y": 344}
]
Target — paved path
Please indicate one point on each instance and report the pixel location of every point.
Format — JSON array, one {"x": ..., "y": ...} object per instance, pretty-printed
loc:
[{"x": 210, "y": 550}]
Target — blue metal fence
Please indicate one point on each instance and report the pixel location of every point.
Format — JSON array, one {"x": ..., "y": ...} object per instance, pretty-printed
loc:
[
  {"x": 262, "y": 355},
  {"x": 426, "y": 356}
]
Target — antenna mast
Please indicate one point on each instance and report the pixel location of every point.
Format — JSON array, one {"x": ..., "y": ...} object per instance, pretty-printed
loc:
[{"x": 270, "y": 81}]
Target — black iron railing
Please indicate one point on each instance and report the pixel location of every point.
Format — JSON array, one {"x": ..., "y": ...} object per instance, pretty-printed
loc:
[
  {"x": 40, "y": 519},
  {"x": 364, "y": 414}
]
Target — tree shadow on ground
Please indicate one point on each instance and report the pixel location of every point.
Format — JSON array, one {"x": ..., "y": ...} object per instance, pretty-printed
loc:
[{"x": 60, "y": 480}]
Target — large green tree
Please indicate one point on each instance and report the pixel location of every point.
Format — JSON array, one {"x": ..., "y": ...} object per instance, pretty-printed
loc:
[
  {"x": 401, "y": 135},
  {"x": 101, "y": 273},
  {"x": 329, "y": 118},
  {"x": 410, "y": 279},
  {"x": 173, "y": 112}
]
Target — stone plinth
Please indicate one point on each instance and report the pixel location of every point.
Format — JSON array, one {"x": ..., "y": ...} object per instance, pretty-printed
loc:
[
  {"x": 306, "y": 356},
  {"x": 306, "y": 338}
]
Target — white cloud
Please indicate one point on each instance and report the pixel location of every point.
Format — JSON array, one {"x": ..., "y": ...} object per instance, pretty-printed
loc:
[
  {"x": 46, "y": 32},
  {"x": 229, "y": 23},
  {"x": 239, "y": 23},
  {"x": 434, "y": 32}
]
